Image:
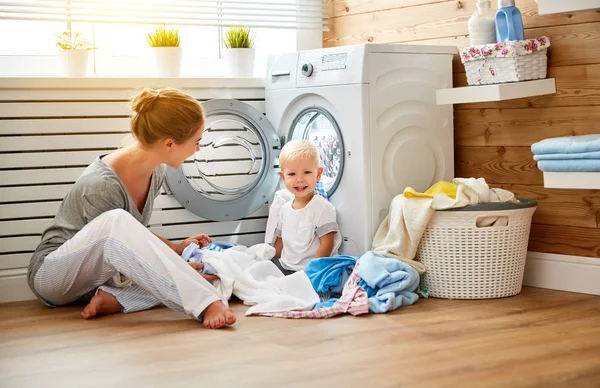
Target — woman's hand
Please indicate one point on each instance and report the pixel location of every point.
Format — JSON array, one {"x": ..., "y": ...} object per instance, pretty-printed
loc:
[
  {"x": 198, "y": 267},
  {"x": 201, "y": 239}
]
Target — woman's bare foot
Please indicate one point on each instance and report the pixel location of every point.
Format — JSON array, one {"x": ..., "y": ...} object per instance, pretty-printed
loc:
[
  {"x": 216, "y": 315},
  {"x": 102, "y": 303}
]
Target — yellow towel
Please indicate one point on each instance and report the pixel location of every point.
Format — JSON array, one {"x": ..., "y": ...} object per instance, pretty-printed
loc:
[{"x": 442, "y": 187}]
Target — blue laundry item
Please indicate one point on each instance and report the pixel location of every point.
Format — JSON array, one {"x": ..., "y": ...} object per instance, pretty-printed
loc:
[
  {"x": 320, "y": 189},
  {"x": 221, "y": 244},
  {"x": 570, "y": 165},
  {"x": 329, "y": 274},
  {"x": 389, "y": 283},
  {"x": 193, "y": 254},
  {"x": 580, "y": 155},
  {"x": 567, "y": 145},
  {"x": 327, "y": 304}
]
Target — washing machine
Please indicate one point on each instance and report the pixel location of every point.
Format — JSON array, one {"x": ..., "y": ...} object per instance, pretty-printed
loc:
[{"x": 369, "y": 109}]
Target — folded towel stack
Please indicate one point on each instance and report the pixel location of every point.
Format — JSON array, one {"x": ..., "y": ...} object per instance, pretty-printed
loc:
[{"x": 571, "y": 153}]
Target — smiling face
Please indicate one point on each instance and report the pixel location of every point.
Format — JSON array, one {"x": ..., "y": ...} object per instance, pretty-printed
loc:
[{"x": 300, "y": 176}]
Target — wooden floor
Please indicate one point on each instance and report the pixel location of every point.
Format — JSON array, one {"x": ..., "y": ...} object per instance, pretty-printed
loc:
[{"x": 540, "y": 338}]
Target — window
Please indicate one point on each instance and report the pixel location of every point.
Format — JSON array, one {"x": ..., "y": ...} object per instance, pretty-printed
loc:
[{"x": 121, "y": 49}]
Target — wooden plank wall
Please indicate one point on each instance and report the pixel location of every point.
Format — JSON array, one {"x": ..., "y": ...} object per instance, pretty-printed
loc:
[
  {"x": 493, "y": 139},
  {"x": 48, "y": 137}
]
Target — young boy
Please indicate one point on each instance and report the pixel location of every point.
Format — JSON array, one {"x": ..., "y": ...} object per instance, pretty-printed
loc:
[{"x": 307, "y": 226}]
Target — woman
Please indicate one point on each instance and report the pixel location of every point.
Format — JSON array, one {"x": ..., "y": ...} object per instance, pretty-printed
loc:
[{"x": 99, "y": 231}]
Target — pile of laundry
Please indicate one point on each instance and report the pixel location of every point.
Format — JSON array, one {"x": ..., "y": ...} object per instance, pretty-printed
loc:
[
  {"x": 327, "y": 287},
  {"x": 401, "y": 231},
  {"x": 568, "y": 154}
]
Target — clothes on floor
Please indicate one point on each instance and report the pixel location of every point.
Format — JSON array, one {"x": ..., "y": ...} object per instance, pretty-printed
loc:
[
  {"x": 249, "y": 274},
  {"x": 354, "y": 300},
  {"x": 97, "y": 190},
  {"x": 389, "y": 283},
  {"x": 301, "y": 230},
  {"x": 328, "y": 275},
  {"x": 116, "y": 242}
]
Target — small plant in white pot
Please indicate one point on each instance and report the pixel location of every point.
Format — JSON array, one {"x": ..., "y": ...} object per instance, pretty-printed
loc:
[
  {"x": 239, "y": 52},
  {"x": 167, "y": 53},
  {"x": 73, "y": 55}
]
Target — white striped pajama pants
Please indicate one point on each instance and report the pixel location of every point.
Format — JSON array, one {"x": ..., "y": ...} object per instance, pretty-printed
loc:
[{"x": 115, "y": 242}]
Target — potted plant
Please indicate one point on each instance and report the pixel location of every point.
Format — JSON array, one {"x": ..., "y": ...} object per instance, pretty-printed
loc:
[
  {"x": 73, "y": 55},
  {"x": 239, "y": 52},
  {"x": 167, "y": 53}
]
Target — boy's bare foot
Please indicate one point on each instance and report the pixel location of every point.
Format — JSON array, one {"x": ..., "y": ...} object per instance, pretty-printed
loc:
[
  {"x": 102, "y": 303},
  {"x": 216, "y": 315}
]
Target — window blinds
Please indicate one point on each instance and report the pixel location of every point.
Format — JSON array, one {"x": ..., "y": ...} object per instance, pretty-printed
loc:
[{"x": 294, "y": 14}]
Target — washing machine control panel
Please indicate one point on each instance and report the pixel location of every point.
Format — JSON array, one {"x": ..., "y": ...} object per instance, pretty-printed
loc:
[{"x": 330, "y": 66}]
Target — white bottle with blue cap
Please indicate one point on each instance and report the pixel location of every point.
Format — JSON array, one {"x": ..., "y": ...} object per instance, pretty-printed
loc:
[{"x": 509, "y": 23}]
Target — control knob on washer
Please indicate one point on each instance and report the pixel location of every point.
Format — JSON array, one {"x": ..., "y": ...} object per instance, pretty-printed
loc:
[{"x": 307, "y": 69}]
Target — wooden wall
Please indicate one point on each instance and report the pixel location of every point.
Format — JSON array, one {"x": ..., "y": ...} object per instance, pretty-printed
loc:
[{"x": 493, "y": 139}]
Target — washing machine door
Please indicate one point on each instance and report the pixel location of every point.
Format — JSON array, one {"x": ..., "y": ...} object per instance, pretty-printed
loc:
[
  {"x": 319, "y": 126},
  {"x": 234, "y": 172}
]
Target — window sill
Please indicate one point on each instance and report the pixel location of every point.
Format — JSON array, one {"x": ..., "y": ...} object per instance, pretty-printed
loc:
[{"x": 127, "y": 83}]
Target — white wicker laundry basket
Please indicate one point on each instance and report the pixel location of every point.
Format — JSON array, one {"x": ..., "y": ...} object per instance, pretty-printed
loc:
[
  {"x": 512, "y": 61},
  {"x": 465, "y": 261}
]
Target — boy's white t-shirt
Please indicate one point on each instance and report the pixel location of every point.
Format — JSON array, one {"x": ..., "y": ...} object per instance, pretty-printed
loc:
[{"x": 301, "y": 230}]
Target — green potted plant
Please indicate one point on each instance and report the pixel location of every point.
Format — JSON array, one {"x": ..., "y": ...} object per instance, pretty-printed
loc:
[
  {"x": 239, "y": 52},
  {"x": 167, "y": 53},
  {"x": 73, "y": 54}
]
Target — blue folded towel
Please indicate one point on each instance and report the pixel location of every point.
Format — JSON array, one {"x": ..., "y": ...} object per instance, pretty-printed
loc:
[
  {"x": 567, "y": 145},
  {"x": 580, "y": 155},
  {"x": 572, "y": 165}
]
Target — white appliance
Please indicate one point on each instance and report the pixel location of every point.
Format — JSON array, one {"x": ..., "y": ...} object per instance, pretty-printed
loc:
[{"x": 370, "y": 110}]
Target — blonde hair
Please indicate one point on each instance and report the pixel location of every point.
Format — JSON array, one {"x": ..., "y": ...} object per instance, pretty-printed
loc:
[
  {"x": 166, "y": 113},
  {"x": 298, "y": 149}
]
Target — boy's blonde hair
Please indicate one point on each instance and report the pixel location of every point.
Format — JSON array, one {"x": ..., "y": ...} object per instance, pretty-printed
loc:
[
  {"x": 298, "y": 149},
  {"x": 166, "y": 113}
]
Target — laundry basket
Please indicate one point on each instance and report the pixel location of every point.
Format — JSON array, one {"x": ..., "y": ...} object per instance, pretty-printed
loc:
[{"x": 467, "y": 261}]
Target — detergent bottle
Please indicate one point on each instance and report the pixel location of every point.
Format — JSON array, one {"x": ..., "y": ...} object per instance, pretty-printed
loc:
[
  {"x": 509, "y": 24},
  {"x": 482, "y": 25}
]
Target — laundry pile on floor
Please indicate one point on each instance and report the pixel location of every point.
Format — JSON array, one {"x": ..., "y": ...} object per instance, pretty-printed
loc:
[
  {"x": 568, "y": 154},
  {"x": 327, "y": 287}
]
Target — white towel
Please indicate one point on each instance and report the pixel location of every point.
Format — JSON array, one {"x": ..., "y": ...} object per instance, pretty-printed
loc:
[
  {"x": 249, "y": 274},
  {"x": 281, "y": 197}
]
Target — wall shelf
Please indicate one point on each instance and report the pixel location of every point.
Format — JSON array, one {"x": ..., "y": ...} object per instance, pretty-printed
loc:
[
  {"x": 572, "y": 180},
  {"x": 546, "y": 7},
  {"x": 497, "y": 92}
]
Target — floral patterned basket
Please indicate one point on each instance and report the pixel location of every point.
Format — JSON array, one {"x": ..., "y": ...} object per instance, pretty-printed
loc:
[{"x": 513, "y": 61}]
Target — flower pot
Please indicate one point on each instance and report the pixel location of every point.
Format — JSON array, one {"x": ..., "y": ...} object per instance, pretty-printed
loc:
[
  {"x": 239, "y": 61},
  {"x": 167, "y": 61},
  {"x": 74, "y": 62}
]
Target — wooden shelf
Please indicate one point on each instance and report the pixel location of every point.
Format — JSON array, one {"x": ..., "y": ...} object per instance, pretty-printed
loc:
[
  {"x": 496, "y": 92},
  {"x": 546, "y": 7},
  {"x": 572, "y": 180}
]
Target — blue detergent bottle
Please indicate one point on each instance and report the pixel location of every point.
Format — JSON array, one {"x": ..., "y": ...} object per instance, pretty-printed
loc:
[{"x": 509, "y": 23}]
